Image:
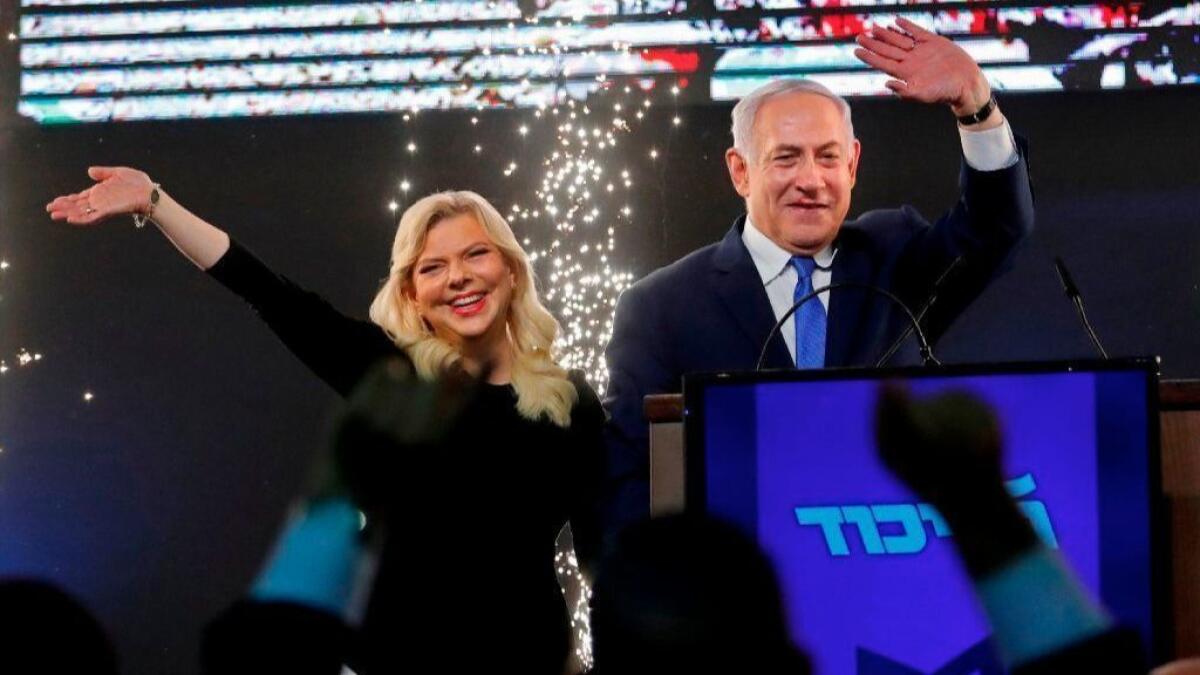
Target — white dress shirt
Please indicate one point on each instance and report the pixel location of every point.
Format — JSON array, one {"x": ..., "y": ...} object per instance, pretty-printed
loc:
[{"x": 989, "y": 150}]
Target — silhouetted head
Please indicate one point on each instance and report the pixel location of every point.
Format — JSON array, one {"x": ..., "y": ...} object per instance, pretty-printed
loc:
[
  {"x": 685, "y": 593},
  {"x": 44, "y": 630}
]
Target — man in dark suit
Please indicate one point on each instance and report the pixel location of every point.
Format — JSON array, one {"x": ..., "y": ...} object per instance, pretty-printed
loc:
[{"x": 795, "y": 161}]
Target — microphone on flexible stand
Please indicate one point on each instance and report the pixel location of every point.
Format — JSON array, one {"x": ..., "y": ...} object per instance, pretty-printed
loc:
[
  {"x": 927, "y": 356},
  {"x": 933, "y": 296},
  {"x": 1076, "y": 297}
]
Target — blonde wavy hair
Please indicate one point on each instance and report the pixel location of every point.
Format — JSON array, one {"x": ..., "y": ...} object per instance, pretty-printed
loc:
[{"x": 541, "y": 384}]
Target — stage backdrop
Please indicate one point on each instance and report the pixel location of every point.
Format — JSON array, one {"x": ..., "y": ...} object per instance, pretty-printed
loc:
[{"x": 153, "y": 431}]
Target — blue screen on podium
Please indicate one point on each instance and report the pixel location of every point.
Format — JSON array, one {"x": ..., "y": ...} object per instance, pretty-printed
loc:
[{"x": 871, "y": 581}]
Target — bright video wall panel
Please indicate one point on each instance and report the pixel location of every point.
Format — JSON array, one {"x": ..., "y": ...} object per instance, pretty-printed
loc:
[{"x": 164, "y": 59}]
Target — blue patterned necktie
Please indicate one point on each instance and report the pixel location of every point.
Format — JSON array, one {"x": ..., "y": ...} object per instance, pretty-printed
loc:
[{"x": 810, "y": 318}]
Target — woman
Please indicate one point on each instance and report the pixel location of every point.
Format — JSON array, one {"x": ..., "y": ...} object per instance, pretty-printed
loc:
[{"x": 473, "y": 564}]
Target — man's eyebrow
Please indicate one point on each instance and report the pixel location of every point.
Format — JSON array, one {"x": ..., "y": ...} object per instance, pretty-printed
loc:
[{"x": 787, "y": 147}]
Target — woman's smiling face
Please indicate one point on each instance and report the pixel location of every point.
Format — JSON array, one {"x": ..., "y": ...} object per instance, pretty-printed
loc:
[{"x": 462, "y": 283}]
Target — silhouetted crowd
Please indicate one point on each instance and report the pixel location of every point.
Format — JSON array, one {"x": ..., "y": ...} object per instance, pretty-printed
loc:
[{"x": 683, "y": 593}]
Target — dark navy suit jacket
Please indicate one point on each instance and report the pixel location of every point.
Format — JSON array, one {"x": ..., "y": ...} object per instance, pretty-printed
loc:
[{"x": 709, "y": 311}]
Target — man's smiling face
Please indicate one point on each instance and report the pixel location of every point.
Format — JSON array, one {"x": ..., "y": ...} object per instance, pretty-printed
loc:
[{"x": 797, "y": 182}]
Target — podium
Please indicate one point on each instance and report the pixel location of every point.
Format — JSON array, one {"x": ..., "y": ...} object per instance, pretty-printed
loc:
[{"x": 1179, "y": 454}]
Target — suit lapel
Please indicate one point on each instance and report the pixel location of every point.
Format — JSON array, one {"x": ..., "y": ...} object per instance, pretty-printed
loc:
[{"x": 740, "y": 289}]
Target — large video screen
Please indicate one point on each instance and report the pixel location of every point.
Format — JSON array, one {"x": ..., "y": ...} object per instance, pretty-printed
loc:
[
  {"x": 871, "y": 579},
  {"x": 166, "y": 59}
]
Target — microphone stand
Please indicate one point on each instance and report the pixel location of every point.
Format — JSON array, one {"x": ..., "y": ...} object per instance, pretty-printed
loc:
[
  {"x": 927, "y": 356},
  {"x": 933, "y": 296},
  {"x": 1076, "y": 298}
]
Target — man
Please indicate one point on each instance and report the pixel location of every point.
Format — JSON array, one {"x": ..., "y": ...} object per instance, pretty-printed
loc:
[{"x": 795, "y": 161}]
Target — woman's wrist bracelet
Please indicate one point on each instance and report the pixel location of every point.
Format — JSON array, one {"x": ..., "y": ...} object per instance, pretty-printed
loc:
[{"x": 140, "y": 219}]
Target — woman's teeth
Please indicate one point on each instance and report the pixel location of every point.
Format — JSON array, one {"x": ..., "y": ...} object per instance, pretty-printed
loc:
[{"x": 468, "y": 300}]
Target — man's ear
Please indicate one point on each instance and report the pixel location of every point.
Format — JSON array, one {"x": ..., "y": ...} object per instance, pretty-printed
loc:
[
  {"x": 855, "y": 155},
  {"x": 739, "y": 171}
]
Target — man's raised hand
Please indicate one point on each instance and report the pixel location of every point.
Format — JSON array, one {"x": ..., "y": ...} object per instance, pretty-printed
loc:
[{"x": 926, "y": 66}]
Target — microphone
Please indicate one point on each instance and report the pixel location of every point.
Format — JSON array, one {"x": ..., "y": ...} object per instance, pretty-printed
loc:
[
  {"x": 1076, "y": 297},
  {"x": 933, "y": 296},
  {"x": 926, "y": 352}
]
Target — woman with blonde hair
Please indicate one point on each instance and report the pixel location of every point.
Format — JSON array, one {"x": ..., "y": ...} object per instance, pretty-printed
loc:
[{"x": 471, "y": 564}]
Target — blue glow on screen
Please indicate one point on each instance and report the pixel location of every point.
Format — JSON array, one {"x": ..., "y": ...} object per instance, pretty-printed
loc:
[{"x": 869, "y": 572}]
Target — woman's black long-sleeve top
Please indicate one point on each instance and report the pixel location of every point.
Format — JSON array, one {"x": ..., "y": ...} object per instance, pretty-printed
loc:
[{"x": 468, "y": 572}]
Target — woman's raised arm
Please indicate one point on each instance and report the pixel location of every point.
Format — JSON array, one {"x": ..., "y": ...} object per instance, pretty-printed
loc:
[{"x": 123, "y": 191}]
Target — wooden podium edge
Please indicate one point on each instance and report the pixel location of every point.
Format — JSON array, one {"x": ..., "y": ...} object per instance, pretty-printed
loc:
[{"x": 1172, "y": 395}]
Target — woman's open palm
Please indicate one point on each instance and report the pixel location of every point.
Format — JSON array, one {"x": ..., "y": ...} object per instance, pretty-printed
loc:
[{"x": 118, "y": 191}]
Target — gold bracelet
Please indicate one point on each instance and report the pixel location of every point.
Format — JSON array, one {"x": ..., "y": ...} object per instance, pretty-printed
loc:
[{"x": 140, "y": 219}]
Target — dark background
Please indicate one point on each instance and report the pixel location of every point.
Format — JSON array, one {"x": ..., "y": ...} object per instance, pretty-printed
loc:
[{"x": 157, "y": 501}]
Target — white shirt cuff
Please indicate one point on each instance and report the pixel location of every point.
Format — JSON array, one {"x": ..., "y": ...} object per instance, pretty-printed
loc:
[{"x": 989, "y": 150}]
